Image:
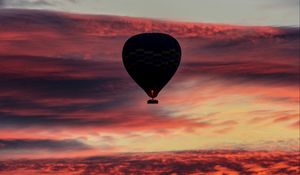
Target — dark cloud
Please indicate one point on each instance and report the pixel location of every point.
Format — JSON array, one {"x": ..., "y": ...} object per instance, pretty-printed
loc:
[
  {"x": 102, "y": 121},
  {"x": 59, "y": 121},
  {"x": 45, "y": 90},
  {"x": 263, "y": 72},
  {"x": 42, "y": 77},
  {"x": 51, "y": 92},
  {"x": 251, "y": 38},
  {"x": 45, "y": 144}
]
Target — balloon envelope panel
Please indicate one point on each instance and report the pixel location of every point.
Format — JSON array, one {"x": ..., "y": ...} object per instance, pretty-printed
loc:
[{"x": 151, "y": 59}]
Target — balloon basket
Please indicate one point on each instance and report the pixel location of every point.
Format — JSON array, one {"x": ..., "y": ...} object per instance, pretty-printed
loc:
[{"x": 152, "y": 101}]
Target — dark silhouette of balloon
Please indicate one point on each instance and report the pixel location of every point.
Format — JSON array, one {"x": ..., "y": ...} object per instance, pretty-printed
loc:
[{"x": 151, "y": 59}]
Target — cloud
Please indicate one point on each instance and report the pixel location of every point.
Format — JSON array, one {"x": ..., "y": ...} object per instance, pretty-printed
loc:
[
  {"x": 224, "y": 130},
  {"x": 277, "y": 3},
  {"x": 247, "y": 71},
  {"x": 286, "y": 118},
  {"x": 262, "y": 145},
  {"x": 181, "y": 162},
  {"x": 58, "y": 34},
  {"x": 290, "y": 2},
  {"x": 45, "y": 148},
  {"x": 62, "y": 75},
  {"x": 295, "y": 125},
  {"x": 105, "y": 25},
  {"x": 27, "y": 3},
  {"x": 34, "y": 3},
  {"x": 49, "y": 84},
  {"x": 38, "y": 145},
  {"x": 43, "y": 91},
  {"x": 53, "y": 81},
  {"x": 99, "y": 121},
  {"x": 1, "y": 3}
]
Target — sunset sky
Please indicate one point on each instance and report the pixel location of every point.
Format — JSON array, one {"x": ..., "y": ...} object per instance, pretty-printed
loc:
[
  {"x": 254, "y": 12},
  {"x": 65, "y": 93}
]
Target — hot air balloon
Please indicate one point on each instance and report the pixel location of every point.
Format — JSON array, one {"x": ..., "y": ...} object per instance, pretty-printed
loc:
[{"x": 151, "y": 59}]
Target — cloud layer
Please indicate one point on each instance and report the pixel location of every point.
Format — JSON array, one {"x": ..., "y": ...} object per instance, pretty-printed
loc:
[
  {"x": 185, "y": 162},
  {"x": 61, "y": 77}
]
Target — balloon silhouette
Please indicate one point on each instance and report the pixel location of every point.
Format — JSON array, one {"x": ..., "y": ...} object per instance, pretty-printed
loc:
[{"x": 151, "y": 59}]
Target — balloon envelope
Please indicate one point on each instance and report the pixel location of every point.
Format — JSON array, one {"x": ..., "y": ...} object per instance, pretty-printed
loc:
[{"x": 151, "y": 59}]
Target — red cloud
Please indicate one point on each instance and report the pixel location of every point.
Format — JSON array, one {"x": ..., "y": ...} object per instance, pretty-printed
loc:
[
  {"x": 295, "y": 125},
  {"x": 286, "y": 118}
]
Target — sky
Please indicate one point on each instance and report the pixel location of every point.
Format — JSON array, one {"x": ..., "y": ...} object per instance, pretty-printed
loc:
[
  {"x": 65, "y": 93},
  {"x": 241, "y": 12}
]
